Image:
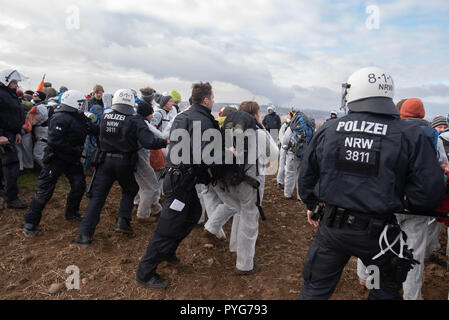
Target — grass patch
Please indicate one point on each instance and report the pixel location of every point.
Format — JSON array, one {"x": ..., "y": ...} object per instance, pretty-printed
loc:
[{"x": 28, "y": 178}]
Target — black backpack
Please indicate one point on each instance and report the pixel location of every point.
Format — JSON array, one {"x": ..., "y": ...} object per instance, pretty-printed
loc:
[{"x": 226, "y": 174}]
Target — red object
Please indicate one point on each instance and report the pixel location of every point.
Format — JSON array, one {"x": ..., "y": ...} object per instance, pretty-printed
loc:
[
  {"x": 413, "y": 108},
  {"x": 220, "y": 111},
  {"x": 157, "y": 160},
  {"x": 41, "y": 85}
]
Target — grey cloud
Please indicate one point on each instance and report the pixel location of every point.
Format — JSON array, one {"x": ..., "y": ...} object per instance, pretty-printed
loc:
[{"x": 437, "y": 90}]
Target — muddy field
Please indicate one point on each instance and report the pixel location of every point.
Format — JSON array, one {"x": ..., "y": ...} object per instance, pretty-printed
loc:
[{"x": 29, "y": 266}]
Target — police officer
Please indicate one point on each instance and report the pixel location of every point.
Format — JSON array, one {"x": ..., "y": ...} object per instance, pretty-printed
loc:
[
  {"x": 120, "y": 132},
  {"x": 182, "y": 208},
  {"x": 361, "y": 166},
  {"x": 67, "y": 133},
  {"x": 12, "y": 118}
]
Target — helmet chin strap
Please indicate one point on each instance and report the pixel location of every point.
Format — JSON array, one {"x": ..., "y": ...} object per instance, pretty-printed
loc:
[{"x": 345, "y": 87}]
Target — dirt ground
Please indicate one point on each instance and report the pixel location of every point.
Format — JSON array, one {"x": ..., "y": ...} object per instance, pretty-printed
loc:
[{"x": 29, "y": 266}]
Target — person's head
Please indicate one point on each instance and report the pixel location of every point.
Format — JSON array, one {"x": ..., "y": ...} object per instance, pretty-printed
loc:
[
  {"x": 10, "y": 78},
  {"x": 63, "y": 89},
  {"x": 72, "y": 101},
  {"x": 334, "y": 114},
  {"x": 47, "y": 85},
  {"x": 98, "y": 92},
  {"x": 166, "y": 102},
  {"x": 39, "y": 96},
  {"x": 251, "y": 107},
  {"x": 148, "y": 94},
  {"x": 270, "y": 109},
  {"x": 400, "y": 103},
  {"x": 228, "y": 110},
  {"x": 370, "y": 90},
  {"x": 145, "y": 110},
  {"x": 202, "y": 94},
  {"x": 439, "y": 123},
  {"x": 176, "y": 96},
  {"x": 124, "y": 101},
  {"x": 413, "y": 108}
]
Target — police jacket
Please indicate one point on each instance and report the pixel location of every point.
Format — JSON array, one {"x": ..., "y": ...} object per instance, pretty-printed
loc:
[
  {"x": 121, "y": 134},
  {"x": 201, "y": 117},
  {"x": 12, "y": 115},
  {"x": 272, "y": 121},
  {"x": 368, "y": 163},
  {"x": 67, "y": 131}
]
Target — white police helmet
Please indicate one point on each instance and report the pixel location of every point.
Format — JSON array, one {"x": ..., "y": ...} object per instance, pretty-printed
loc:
[
  {"x": 124, "y": 101},
  {"x": 72, "y": 100},
  {"x": 9, "y": 75},
  {"x": 370, "y": 82}
]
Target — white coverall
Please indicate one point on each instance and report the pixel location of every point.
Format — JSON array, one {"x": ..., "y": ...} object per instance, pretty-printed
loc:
[
  {"x": 283, "y": 155},
  {"x": 291, "y": 168},
  {"x": 149, "y": 186},
  {"x": 242, "y": 199}
]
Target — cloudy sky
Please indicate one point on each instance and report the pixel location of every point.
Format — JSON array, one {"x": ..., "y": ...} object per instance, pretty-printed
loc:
[{"x": 288, "y": 52}]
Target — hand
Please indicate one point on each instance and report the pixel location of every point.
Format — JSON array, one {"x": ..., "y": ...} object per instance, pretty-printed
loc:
[
  {"x": 311, "y": 222},
  {"x": 3, "y": 141},
  {"x": 168, "y": 142},
  {"x": 18, "y": 139}
]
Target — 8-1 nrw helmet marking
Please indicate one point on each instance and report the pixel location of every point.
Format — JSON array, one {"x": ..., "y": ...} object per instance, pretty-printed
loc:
[{"x": 368, "y": 82}]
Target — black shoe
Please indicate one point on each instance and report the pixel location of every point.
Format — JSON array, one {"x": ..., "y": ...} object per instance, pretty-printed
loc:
[
  {"x": 173, "y": 260},
  {"x": 280, "y": 186},
  {"x": 123, "y": 226},
  {"x": 73, "y": 217},
  {"x": 16, "y": 204},
  {"x": 83, "y": 241},
  {"x": 156, "y": 282},
  {"x": 246, "y": 273},
  {"x": 30, "y": 229}
]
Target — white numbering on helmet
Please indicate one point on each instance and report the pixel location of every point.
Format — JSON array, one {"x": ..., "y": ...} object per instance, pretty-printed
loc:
[
  {"x": 124, "y": 96},
  {"x": 73, "y": 98},
  {"x": 368, "y": 83}
]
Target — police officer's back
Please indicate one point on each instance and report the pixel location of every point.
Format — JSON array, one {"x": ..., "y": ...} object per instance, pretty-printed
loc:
[
  {"x": 362, "y": 166},
  {"x": 182, "y": 208},
  {"x": 12, "y": 118},
  {"x": 121, "y": 131},
  {"x": 67, "y": 133}
]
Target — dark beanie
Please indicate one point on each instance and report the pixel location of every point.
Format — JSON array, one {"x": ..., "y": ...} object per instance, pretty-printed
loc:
[
  {"x": 41, "y": 95},
  {"x": 439, "y": 121},
  {"x": 164, "y": 100},
  {"x": 144, "y": 108}
]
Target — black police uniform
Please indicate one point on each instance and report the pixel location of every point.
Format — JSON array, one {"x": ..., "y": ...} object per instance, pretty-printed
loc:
[
  {"x": 120, "y": 133},
  {"x": 67, "y": 131},
  {"x": 182, "y": 208},
  {"x": 12, "y": 118},
  {"x": 361, "y": 166}
]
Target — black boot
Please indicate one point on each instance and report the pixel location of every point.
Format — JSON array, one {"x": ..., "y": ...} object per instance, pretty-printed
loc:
[
  {"x": 124, "y": 226},
  {"x": 173, "y": 260},
  {"x": 83, "y": 241},
  {"x": 16, "y": 204},
  {"x": 73, "y": 217},
  {"x": 30, "y": 229},
  {"x": 155, "y": 282}
]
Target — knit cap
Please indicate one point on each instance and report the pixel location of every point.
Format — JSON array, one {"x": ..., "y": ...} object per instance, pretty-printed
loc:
[{"x": 413, "y": 108}]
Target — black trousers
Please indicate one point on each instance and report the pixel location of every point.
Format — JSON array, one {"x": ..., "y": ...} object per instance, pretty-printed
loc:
[
  {"x": 173, "y": 226},
  {"x": 10, "y": 169},
  {"x": 328, "y": 255},
  {"x": 113, "y": 169},
  {"x": 46, "y": 184}
]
